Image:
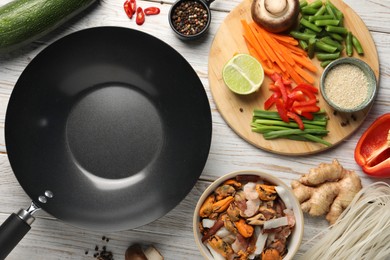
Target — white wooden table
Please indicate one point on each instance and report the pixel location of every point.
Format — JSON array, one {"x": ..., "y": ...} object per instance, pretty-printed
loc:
[{"x": 172, "y": 234}]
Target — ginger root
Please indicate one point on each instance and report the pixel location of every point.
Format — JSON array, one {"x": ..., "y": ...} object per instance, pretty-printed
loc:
[{"x": 327, "y": 189}]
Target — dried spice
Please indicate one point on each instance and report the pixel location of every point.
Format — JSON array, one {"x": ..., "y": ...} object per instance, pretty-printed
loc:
[
  {"x": 190, "y": 17},
  {"x": 101, "y": 253}
]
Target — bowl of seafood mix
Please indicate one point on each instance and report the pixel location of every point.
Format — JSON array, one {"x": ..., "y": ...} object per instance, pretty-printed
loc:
[
  {"x": 248, "y": 215},
  {"x": 348, "y": 85}
]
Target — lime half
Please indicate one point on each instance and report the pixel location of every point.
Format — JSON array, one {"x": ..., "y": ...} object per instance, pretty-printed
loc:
[{"x": 243, "y": 74}]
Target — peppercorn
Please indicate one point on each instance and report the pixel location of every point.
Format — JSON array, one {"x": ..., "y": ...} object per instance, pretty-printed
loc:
[{"x": 190, "y": 17}]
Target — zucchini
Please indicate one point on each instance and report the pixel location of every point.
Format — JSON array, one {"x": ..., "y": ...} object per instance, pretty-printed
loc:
[{"x": 22, "y": 21}]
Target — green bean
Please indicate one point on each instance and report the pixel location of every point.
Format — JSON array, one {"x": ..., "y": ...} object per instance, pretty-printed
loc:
[
  {"x": 302, "y": 3},
  {"x": 326, "y": 22},
  {"x": 320, "y": 11},
  {"x": 316, "y": 139},
  {"x": 311, "y": 47},
  {"x": 325, "y": 47},
  {"x": 303, "y": 44},
  {"x": 334, "y": 43},
  {"x": 336, "y": 29},
  {"x": 336, "y": 36},
  {"x": 301, "y": 36},
  {"x": 309, "y": 25},
  {"x": 348, "y": 44},
  {"x": 357, "y": 45},
  {"x": 316, "y": 4},
  {"x": 308, "y": 10},
  {"x": 320, "y": 17},
  {"x": 258, "y": 128},
  {"x": 309, "y": 31},
  {"x": 325, "y": 63},
  {"x": 335, "y": 10},
  {"x": 330, "y": 11},
  {"x": 283, "y": 133},
  {"x": 327, "y": 56}
]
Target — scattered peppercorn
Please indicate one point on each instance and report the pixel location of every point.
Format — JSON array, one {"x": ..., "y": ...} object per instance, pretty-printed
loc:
[{"x": 190, "y": 17}]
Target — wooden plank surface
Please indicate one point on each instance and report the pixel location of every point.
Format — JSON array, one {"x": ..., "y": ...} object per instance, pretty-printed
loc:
[{"x": 52, "y": 239}]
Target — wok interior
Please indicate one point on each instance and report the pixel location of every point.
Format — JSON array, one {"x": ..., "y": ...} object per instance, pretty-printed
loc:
[{"x": 114, "y": 122}]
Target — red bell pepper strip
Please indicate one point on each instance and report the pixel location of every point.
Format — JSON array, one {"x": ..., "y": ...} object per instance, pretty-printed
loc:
[
  {"x": 152, "y": 10},
  {"x": 308, "y": 87},
  {"x": 372, "y": 151},
  {"x": 282, "y": 88},
  {"x": 297, "y": 119},
  {"x": 282, "y": 111},
  {"x": 309, "y": 108},
  {"x": 309, "y": 102},
  {"x": 140, "y": 18},
  {"x": 307, "y": 115},
  {"x": 297, "y": 95},
  {"x": 271, "y": 100}
]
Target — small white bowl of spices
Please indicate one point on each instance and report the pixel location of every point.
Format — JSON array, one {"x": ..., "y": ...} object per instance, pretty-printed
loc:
[{"x": 348, "y": 85}]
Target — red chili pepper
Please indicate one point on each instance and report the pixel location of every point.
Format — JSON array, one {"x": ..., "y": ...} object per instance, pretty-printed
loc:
[
  {"x": 130, "y": 6},
  {"x": 372, "y": 151},
  {"x": 126, "y": 7},
  {"x": 152, "y": 10},
  {"x": 140, "y": 19}
]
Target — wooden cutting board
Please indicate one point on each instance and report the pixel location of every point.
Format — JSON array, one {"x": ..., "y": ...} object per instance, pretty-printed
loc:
[{"x": 237, "y": 110}]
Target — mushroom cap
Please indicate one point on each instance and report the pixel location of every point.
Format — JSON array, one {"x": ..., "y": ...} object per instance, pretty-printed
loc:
[
  {"x": 275, "y": 15},
  {"x": 135, "y": 252}
]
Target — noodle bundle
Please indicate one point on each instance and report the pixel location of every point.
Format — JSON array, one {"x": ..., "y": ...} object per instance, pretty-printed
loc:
[{"x": 362, "y": 231}]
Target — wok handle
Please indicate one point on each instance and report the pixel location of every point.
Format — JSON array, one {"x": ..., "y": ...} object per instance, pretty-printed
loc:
[{"x": 14, "y": 228}]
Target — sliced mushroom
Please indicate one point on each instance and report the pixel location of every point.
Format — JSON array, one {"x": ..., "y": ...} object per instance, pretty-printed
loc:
[{"x": 275, "y": 15}]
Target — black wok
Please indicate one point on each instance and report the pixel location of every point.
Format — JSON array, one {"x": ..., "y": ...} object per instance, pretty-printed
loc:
[{"x": 106, "y": 129}]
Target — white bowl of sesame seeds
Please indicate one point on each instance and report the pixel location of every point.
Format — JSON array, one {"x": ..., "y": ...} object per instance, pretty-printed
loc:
[{"x": 348, "y": 85}]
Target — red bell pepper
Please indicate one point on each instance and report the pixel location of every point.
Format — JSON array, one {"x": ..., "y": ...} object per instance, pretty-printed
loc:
[
  {"x": 291, "y": 103},
  {"x": 372, "y": 151},
  {"x": 297, "y": 119}
]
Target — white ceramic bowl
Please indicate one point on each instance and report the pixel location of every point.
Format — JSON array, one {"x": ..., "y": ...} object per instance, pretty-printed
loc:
[{"x": 294, "y": 240}]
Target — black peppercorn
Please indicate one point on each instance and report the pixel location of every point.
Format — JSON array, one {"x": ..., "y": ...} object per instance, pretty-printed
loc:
[{"x": 190, "y": 17}]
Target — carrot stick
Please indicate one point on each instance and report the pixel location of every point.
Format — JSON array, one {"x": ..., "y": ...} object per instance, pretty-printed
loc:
[
  {"x": 304, "y": 62},
  {"x": 304, "y": 74},
  {"x": 250, "y": 37},
  {"x": 278, "y": 53},
  {"x": 270, "y": 44},
  {"x": 294, "y": 49},
  {"x": 284, "y": 38},
  {"x": 294, "y": 75},
  {"x": 261, "y": 37}
]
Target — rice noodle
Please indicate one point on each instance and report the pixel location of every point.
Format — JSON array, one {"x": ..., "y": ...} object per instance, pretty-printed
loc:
[{"x": 362, "y": 231}]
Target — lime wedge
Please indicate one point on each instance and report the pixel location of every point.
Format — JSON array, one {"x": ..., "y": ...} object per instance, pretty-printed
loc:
[{"x": 243, "y": 74}]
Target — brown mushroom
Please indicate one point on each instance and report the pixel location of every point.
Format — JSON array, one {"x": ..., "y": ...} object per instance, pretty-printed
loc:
[
  {"x": 275, "y": 15},
  {"x": 135, "y": 252}
]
